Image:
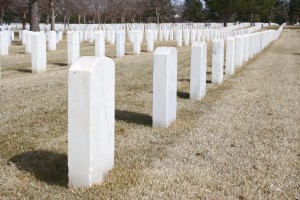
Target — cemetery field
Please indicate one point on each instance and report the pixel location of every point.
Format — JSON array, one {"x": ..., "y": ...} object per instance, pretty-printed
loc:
[{"x": 241, "y": 141}]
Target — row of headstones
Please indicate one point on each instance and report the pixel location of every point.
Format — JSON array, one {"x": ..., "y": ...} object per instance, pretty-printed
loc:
[
  {"x": 90, "y": 27},
  {"x": 136, "y": 37},
  {"x": 164, "y": 34},
  {"x": 91, "y": 96}
]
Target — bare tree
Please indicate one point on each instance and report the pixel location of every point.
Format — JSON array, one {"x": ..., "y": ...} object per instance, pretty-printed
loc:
[
  {"x": 34, "y": 15},
  {"x": 20, "y": 7},
  {"x": 4, "y": 4}
]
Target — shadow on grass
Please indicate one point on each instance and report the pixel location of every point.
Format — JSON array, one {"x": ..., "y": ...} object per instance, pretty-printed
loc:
[
  {"x": 49, "y": 167},
  {"x": 183, "y": 95},
  {"x": 184, "y": 80},
  {"x": 60, "y": 64},
  {"x": 133, "y": 117},
  {"x": 25, "y": 70}
]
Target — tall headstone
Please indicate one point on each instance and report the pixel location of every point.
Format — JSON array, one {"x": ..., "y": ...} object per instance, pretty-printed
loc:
[
  {"x": 3, "y": 44},
  {"x": 28, "y": 41},
  {"x": 150, "y": 40},
  {"x": 246, "y": 48},
  {"x": 112, "y": 37},
  {"x": 91, "y": 97},
  {"x": 136, "y": 42},
  {"x": 179, "y": 38},
  {"x": 24, "y": 37},
  {"x": 218, "y": 61},
  {"x": 120, "y": 43},
  {"x": 52, "y": 41},
  {"x": 230, "y": 54},
  {"x": 198, "y": 71},
  {"x": 164, "y": 86},
  {"x": 238, "y": 60},
  {"x": 38, "y": 52},
  {"x": 73, "y": 46},
  {"x": 186, "y": 33},
  {"x": 100, "y": 44}
]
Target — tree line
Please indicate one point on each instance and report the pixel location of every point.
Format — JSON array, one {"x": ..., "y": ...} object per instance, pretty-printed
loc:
[{"x": 149, "y": 11}]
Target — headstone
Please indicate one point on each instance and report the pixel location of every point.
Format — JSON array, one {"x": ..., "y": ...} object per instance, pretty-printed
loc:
[
  {"x": 112, "y": 37},
  {"x": 52, "y": 41},
  {"x": 3, "y": 44},
  {"x": 246, "y": 48},
  {"x": 73, "y": 46},
  {"x": 150, "y": 40},
  {"x": 164, "y": 86},
  {"x": 171, "y": 35},
  {"x": 179, "y": 38},
  {"x": 198, "y": 71},
  {"x": 38, "y": 52},
  {"x": 24, "y": 37},
  {"x": 218, "y": 61},
  {"x": 230, "y": 54},
  {"x": 238, "y": 60},
  {"x": 100, "y": 44},
  {"x": 193, "y": 36},
  {"x": 186, "y": 33},
  {"x": 20, "y": 35},
  {"x": 120, "y": 44},
  {"x": 91, "y": 37},
  {"x": 91, "y": 120},
  {"x": 28, "y": 41},
  {"x": 136, "y": 43}
]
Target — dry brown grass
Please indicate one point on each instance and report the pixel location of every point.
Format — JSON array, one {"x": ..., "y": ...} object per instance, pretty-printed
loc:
[{"x": 240, "y": 142}]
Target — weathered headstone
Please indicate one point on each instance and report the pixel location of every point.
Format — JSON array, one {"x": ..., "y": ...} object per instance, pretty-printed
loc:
[
  {"x": 238, "y": 60},
  {"x": 230, "y": 54},
  {"x": 38, "y": 52},
  {"x": 218, "y": 61},
  {"x": 120, "y": 43},
  {"x": 164, "y": 86},
  {"x": 73, "y": 46},
  {"x": 91, "y": 120},
  {"x": 136, "y": 42},
  {"x": 179, "y": 38},
  {"x": 198, "y": 71},
  {"x": 3, "y": 44},
  {"x": 100, "y": 44},
  {"x": 150, "y": 40},
  {"x": 28, "y": 41},
  {"x": 52, "y": 41}
]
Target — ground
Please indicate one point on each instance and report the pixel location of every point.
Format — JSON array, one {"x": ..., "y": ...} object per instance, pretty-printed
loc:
[{"x": 241, "y": 142}]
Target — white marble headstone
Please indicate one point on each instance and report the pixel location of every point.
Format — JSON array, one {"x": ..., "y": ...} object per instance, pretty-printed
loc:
[
  {"x": 91, "y": 118},
  {"x": 164, "y": 86}
]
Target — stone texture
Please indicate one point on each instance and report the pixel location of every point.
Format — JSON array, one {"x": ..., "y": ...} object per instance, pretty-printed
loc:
[
  {"x": 91, "y": 120},
  {"x": 164, "y": 86}
]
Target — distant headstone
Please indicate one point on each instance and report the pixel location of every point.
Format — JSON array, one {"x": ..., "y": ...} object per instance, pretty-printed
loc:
[
  {"x": 120, "y": 43},
  {"x": 198, "y": 71},
  {"x": 73, "y": 46},
  {"x": 3, "y": 43},
  {"x": 230, "y": 54},
  {"x": 52, "y": 41},
  {"x": 238, "y": 60},
  {"x": 218, "y": 61},
  {"x": 100, "y": 44},
  {"x": 38, "y": 52}
]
